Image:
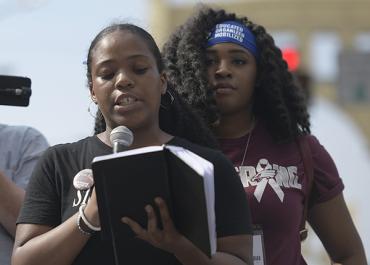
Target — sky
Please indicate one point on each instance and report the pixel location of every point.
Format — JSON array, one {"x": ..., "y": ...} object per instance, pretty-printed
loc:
[{"x": 47, "y": 41}]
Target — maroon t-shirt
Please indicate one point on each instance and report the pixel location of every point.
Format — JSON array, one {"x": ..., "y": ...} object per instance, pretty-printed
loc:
[{"x": 276, "y": 186}]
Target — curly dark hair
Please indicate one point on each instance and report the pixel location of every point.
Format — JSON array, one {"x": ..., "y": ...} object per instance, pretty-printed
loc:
[
  {"x": 278, "y": 101},
  {"x": 175, "y": 116}
]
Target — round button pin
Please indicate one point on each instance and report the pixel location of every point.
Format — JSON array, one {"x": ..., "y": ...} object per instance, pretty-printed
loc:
[{"x": 84, "y": 179}]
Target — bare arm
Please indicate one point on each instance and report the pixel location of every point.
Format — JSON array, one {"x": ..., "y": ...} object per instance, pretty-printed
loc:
[
  {"x": 11, "y": 198},
  {"x": 39, "y": 244},
  {"x": 333, "y": 224}
]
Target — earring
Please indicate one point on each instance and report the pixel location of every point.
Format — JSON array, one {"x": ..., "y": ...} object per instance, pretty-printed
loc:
[
  {"x": 89, "y": 109},
  {"x": 167, "y": 100}
]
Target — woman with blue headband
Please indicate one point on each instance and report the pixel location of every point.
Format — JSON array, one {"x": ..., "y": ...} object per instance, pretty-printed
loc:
[{"x": 232, "y": 74}]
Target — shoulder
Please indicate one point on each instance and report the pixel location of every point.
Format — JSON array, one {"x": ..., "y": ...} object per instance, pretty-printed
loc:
[
  {"x": 67, "y": 151},
  {"x": 222, "y": 165},
  {"x": 203, "y": 151},
  {"x": 59, "y": 160},
  {"x": 24, "y": 140},
  {"x": 71, "y": 147},
  {"x": 312, "y": 140},
  {"x": 322, "y": 160},
  {"x": 19, "y": 130},
  {"x": 327, "y": 182},
  {"x": 316, "y": 147}
]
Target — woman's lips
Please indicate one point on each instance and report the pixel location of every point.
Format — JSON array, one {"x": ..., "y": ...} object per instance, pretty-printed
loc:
[
  {"x": 126, "y": 102},
  {"x": 223, "y": 88}
]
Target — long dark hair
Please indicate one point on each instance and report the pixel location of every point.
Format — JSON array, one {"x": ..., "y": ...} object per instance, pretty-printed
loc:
[
  {"x": 175, "y": 116},
  {"x": 277, "y": 99}
]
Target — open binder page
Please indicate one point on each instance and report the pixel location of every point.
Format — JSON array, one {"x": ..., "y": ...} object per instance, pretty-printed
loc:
[
  {"x": 141, "y": 150},
  {"x": 205, "y": 169}
]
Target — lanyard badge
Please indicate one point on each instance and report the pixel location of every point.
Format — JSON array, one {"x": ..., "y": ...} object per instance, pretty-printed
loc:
[{"x": 258, "y": 246}]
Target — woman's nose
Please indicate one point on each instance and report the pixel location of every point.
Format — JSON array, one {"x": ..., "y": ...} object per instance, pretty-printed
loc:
[
  {"x": 223, "y": 69},
  {"x": 123, "y": 81}
]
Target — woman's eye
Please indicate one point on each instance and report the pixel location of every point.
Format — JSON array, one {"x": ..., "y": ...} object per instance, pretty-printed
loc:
[
  {"x": 106, "y": 75},
  {"x": 239, "y": 61},
  {"x": 210, "y": 61},
  {"x": 140, "y": 70}
]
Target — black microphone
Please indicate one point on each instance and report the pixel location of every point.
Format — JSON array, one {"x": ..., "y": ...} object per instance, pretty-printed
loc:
[
  {"x": 21, "y": 92},
  {"x": 121, "y": 138},
  {"x": 15, "y": 90}
]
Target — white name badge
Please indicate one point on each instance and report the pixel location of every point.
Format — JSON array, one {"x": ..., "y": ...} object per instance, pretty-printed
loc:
[{"x": 258, "y": 247}]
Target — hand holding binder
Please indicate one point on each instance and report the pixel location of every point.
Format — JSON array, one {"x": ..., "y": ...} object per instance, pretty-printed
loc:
[
  {"x": 165, "y": 238},
  {"x": 128, "y": 181}
]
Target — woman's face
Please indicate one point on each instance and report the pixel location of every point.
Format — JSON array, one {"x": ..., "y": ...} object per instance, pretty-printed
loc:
[
  {"x": 126, "y": 83},
  {"x": 232, "y": 73}
]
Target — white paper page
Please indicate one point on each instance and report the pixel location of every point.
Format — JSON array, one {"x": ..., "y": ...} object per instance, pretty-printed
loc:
[
  {"x": 142, "y": 150},
  {"x": 205, "y": 169}
]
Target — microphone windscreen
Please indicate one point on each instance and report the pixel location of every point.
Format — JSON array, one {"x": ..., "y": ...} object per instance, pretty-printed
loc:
[{"x": 122, "y": 135}]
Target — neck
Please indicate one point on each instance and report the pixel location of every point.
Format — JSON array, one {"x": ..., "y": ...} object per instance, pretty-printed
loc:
[{"x": 234, "y": 126}]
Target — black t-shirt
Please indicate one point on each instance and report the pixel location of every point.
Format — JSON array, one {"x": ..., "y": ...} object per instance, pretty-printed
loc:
[{"x": 51, "y": 197}]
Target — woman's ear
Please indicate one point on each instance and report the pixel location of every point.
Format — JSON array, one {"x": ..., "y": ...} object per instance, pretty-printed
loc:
[
  {"x": 93, "y": 98},
  {"x": 92, "y": 93},
  {"x": 163, "y": 83}
]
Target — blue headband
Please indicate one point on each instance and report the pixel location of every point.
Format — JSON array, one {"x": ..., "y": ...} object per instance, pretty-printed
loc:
[{"x": 235, "y": 32}]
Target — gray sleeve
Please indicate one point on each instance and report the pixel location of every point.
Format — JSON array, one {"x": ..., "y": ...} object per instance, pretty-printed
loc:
[
  {"x": 32, "y": 144},
  {"x": 42, "y": 201}
]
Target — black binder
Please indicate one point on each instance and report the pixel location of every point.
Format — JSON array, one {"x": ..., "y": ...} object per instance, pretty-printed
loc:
[{"x": 126, "y": 182}]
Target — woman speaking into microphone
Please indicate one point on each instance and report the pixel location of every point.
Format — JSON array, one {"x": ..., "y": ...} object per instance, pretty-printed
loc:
[{"x": 127, "y": 82}]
